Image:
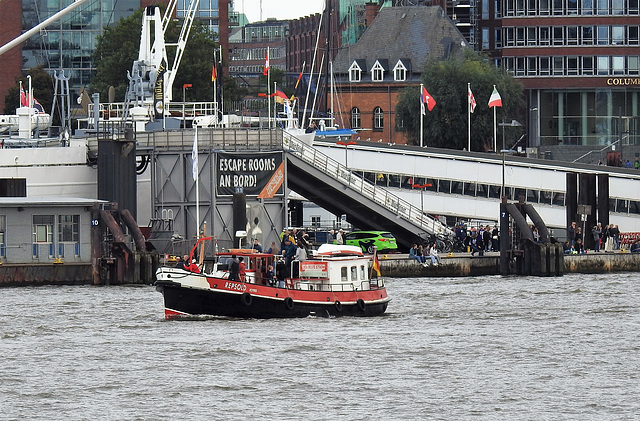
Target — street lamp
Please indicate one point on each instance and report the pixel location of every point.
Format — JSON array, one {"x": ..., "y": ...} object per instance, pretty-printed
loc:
[
  {"x": 184, "y": 118},
  {"x": 346, "y": 146},
  {"x": 422, "y": 187},
  {"x": 503, "y": 151}
]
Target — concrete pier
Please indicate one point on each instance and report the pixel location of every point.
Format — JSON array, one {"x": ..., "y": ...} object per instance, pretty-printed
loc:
[{"x": 463, "y": 264}]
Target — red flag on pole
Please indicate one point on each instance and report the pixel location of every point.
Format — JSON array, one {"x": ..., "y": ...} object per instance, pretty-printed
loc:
[
  {"x": 426, "y": 98},
  {"x": 266, "y": 64}
]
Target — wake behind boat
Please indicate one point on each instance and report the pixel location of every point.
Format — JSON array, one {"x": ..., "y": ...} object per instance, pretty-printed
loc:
[{"x": 336, "y": 281}]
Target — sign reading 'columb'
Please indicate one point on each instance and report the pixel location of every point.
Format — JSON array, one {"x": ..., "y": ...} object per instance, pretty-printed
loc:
[{"x": 250, "y": 172}]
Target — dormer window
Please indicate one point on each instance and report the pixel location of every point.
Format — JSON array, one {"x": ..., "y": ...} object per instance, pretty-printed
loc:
[
  {"x": 377, "y": 72},
  {"x": 399, "y": 72},
  {"x": 355, "y": 72}
]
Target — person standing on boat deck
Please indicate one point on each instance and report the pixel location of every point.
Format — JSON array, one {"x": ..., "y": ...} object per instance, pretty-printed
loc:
[
  {"x": 273, "y": 249},
  {"x": 242, "y": 269},
  {"x": 192, "y": 267},
  {"x": 289, "y": 252},
  {"x": 281, "y": 272},
  {"x": 234, "y": 268},
  {"x": 301, "y": 253},
  {"x": 339, "y": 237},
  {"x": 268, "y": 276},
  {"x": 180, "y": 264},
  {"x": 256, "y": 246}
]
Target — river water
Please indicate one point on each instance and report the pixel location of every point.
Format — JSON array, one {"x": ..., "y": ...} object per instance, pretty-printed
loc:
[{"x": 448, "y": 349}]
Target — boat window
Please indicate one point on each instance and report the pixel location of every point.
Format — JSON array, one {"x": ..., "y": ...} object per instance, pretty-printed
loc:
[
  {"x": 343, "y": 274},
  {"x": 354, "y": 273},
  {"x": 363, "y": 273},
  {"x": 494, "y": 191}
]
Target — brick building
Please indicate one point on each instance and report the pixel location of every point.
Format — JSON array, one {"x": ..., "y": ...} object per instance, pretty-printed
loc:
[{"x": 388, "y": 57}]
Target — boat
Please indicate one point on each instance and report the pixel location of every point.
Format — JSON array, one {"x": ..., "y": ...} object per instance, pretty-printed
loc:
[{"x": 337, "y": 280}]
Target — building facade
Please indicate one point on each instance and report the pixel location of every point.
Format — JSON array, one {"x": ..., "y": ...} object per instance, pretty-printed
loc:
[
  {"x": 370, "y": 74},
  {"x": 579, "y": 63},
  {"x": 42, "y": 230}
]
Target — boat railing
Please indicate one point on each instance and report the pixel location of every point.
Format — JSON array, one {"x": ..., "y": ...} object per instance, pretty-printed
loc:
[
  {"x": 377, "y": 283},
  {"x": 400, "y": 207}
]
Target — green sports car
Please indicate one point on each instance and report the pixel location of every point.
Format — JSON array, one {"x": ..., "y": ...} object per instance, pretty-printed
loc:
[{"x": 367, "y": 240}]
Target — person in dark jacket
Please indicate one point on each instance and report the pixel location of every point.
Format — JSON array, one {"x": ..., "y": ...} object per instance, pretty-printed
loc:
[{"x": 234, "y": 268}]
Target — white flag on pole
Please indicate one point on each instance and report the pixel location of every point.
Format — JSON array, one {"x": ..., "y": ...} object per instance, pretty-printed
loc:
[{"x": 194, "y": 156}]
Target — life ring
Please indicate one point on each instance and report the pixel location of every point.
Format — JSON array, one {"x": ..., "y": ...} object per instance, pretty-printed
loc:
[
  {"x": 247, "y": 299},
  {"x": 288, "y": 303},
  {"x": 338, "y": 305},
  {"x": 361, "y": 304}
]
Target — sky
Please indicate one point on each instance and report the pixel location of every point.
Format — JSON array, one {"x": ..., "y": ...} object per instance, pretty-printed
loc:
[{"x": 280, "y": 9}]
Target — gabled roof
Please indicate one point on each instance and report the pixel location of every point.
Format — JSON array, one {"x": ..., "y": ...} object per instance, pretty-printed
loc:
[
  {"x": 413, "y": 33},
  {"x": 362, "y": 64},
  {"x": 383, "y": 62},
  {"x": 406, "y": 62}
]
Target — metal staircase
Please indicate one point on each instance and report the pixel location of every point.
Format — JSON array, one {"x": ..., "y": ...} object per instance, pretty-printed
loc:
[{"x": 401, "y": 209}]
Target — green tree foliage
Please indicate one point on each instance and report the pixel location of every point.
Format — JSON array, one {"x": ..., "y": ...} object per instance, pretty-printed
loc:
[
  {"x": 118, "y": 47},
  {"x": 115, "y": 52},
  {"x": 446, "y": 125},
  {"x": 42, "y": 85}
]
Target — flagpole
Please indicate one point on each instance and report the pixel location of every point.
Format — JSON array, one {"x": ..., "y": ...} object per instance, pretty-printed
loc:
[
  {"x": 275, "y": 113},
  {"x": 196, "y": 171},
  {"x": 221, "y": 90},
  {"x": 469, "y": 116},
  {"x": 421, "y": 116},
  {"x": 269, "y": 89},
  {"x": 215, "y": 90},
  {"x": 495, "y": 131}
]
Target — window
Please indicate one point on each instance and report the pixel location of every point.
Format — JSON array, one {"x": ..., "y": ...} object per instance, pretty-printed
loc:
[
  {"x": 399, "y": 72},
  {"x": 355, "y": 72},
  {"x": 587, "y": 65},
  {"x": 633, "y": 65},
  {"x": 378, "y": 119},
  {"x": 603, "y": 65},
  {"x": 3, "y": 228},
  {"x": 68, "y": 228},
  {"x": 633, "y": 35},
  {"x": 377, "y": 72},
  {"x": 43, "y": 228},
  {"x": 572, "y": 66},
  {"x": 315, "y": 221},
  {"x": 603, "y": 35},
  {"x": 572, "y": 35},
  {"x": 617, "y": 63},
  {"x": 354, "y": 273},
  {"x": 545, "y": 37},
  {"x": 617, "y": 35},
  {"x": 545, "y": 66},
  {"x": 587, "y": 35},
  {"x": 355, "y": 118},
  {"x": 558, "y": 65}
]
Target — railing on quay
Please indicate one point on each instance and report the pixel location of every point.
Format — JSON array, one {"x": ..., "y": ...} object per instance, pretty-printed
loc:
[{"x": 400, "y": 207}]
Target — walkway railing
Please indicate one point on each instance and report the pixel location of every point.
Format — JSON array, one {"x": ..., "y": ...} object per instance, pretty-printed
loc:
[{"x": 399, "y": 207}]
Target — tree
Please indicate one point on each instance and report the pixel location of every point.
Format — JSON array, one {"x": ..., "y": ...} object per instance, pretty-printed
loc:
[
  {"x": 115, "y": 52},
  {"x": 118, "y": 47},
  {"x": 42, "y": 85},
  {"x": 446, "y": 125}
]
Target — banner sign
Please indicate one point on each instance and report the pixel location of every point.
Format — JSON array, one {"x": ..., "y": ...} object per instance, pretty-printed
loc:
[
  {"x": 314, "y": 269},
  {"x": 256, "y": 174}
]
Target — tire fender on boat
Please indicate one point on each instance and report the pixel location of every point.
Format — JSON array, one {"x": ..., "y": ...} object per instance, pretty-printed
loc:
[
  {"x": 338, "y": 305},
  {"x": 361, "y": 304},
  {"x": 247, "y": 299},
  {"x": 288, "y": 303}
]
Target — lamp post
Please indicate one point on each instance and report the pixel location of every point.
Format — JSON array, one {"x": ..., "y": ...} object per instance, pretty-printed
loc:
[
  {"x": 503, "y": 151},
  {"x": 346, "y": 147},
  {"x": 421, "y": 187},
  {"x": 184, "y": 118}
]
